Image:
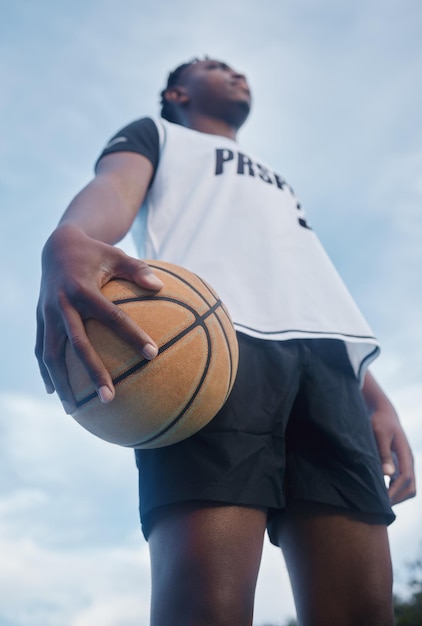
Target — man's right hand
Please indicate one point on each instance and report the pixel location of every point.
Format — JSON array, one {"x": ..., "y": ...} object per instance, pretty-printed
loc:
[{"x": 75, "y": 268}]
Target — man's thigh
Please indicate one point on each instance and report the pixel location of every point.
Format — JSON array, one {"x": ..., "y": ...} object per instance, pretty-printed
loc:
[
  {"x": 205, "y": 560},
  {"x": 339, "y": 566}
]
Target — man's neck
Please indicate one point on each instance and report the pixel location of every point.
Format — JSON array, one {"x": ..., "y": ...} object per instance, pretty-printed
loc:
[{"x": 210, "y": 126}]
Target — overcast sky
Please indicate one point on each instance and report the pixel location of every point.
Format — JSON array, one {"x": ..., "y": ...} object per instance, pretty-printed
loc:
[{"x": 337, "y": 110}]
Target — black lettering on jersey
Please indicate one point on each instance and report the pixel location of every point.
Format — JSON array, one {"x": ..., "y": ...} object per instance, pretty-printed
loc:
[
  {"x": 242, "y": 162},
  {"x": 222, "y": 156},
  {"x": 245, "y": 165},
  {"x": 264, "y": 174},
  {"x": 302, "y": 221},
  {"x": 280, "y": 182}
]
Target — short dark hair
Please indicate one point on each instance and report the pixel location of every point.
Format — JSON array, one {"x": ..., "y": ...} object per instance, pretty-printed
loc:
[{"x": 168, "y": 110}]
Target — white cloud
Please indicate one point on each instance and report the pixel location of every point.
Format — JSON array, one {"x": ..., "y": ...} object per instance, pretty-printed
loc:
[
  {"x": 72, "y": 477},
  {"x": 274, "y": 600},
  {"x": 61, "y": 565},
  {"x": 42, "y": 587},
  {"x": 69, "y": 534},
  {"x": 124, "y": 610}
]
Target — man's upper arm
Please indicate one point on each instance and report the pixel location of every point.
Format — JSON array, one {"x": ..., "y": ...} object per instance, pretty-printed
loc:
[
  {"x": 129, "y": 161},
  {"x": 130, "y": 174}
]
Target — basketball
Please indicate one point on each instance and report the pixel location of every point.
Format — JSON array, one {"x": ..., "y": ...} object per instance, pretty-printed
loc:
[{"x": 169, "y": 398}]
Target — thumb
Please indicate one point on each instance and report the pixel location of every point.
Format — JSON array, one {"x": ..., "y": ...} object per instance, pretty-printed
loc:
[
  {"x": 387, "y": 458},
  {"x": 388, "y": 467},
  {"x": 384, "y": 443}
]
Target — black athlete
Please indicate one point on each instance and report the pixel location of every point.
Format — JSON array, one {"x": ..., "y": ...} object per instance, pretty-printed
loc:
[{"x": 292, "y": 451}]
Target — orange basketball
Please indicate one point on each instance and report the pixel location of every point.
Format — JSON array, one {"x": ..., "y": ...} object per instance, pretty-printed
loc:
[{"x": 165, "y": 400}]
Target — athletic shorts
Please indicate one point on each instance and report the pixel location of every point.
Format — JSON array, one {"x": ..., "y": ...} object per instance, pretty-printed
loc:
[{"x": 295, "y": 429}]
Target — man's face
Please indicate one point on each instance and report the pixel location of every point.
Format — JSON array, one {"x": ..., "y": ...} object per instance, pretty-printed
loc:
[{"x": 215, "y": 89}]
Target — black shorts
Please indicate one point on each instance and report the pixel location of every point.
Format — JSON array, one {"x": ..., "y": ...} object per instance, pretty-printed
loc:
[{"x": 294, "y": 429}]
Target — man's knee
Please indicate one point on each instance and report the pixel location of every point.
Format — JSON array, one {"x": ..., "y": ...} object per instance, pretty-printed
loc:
[{"x": 376, "y": 612}]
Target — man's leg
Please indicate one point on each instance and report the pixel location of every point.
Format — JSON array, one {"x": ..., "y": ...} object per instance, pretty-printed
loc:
[
  {"x": 340, "y": 568},
  {"x": 205, "y": 561}
]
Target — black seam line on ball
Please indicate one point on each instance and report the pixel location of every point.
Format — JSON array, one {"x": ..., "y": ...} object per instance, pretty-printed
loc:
[
  {"x": 186, "y": 282},
  {"x": 190, "y": 401},
  {"x": 199, "y": 321},
  {"x": 223, "y": 330},
  {"x": 229, "y": 350}
]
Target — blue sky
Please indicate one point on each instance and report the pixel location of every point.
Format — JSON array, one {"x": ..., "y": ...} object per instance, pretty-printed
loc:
[{"x": 337, "y": 103}]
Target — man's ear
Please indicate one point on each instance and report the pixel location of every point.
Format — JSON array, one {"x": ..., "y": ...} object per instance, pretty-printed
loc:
[{"x": 176, "y": 95}]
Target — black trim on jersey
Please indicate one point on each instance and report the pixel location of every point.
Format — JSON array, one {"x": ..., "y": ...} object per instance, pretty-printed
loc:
[
  {"x": 369, "y": 357},
  {"x": 140, "y": 137},
  {"x": 305, "y": 332}
]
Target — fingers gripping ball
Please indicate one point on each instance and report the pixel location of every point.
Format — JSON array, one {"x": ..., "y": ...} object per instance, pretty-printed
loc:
[{"x": 165, "y": 400}]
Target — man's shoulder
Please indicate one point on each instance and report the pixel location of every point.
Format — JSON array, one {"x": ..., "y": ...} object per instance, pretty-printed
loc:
[{"x": 142, "y": 136}]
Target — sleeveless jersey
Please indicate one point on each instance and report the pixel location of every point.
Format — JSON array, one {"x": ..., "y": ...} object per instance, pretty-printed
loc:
[{"x": 221, "y": 213}]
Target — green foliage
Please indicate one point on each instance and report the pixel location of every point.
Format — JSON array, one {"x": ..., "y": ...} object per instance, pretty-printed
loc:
[{"x": 408, "y": 612}]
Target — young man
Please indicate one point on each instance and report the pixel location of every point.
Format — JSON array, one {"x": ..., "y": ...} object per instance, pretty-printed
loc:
[{"x": 292, "y": 451}]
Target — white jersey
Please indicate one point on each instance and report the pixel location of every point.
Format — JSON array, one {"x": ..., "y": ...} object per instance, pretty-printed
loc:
[{"x": 221, "y": 213}]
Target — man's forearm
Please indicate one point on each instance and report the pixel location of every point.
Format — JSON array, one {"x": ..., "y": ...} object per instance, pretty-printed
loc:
[
  {"x": 100, "y": 211},
  {"x": 374, "y": 396}
]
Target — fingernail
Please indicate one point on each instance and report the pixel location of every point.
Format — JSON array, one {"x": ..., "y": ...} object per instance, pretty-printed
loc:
[
  {"x": 388, "y": 469},
  {"x": 105, "y": 394},
  {"x": 149, "y": 351},
  {"x": 154, "y": 281}
]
